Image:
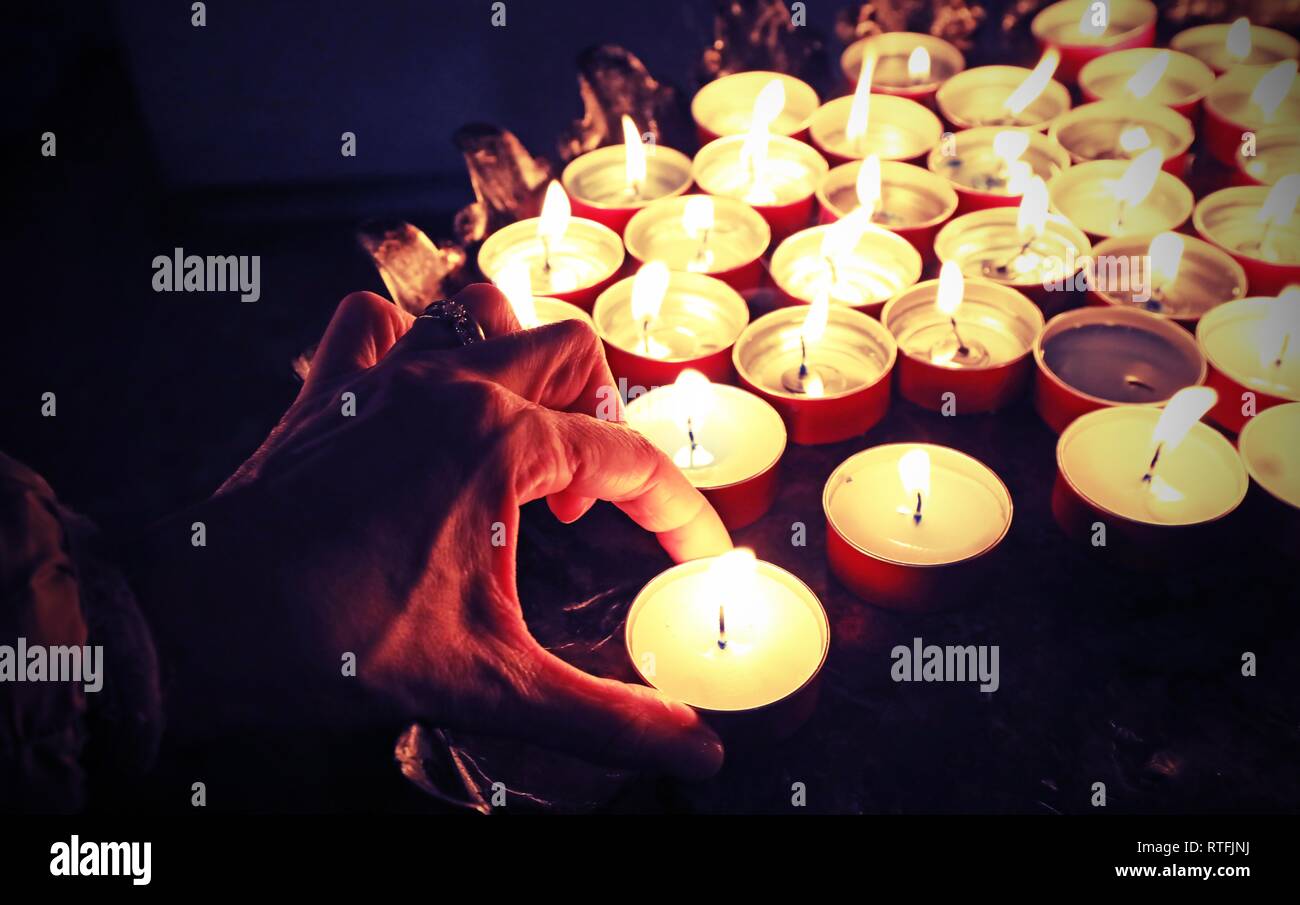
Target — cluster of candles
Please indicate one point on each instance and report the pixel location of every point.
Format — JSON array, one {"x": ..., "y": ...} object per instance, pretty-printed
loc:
[{"x": 1025, "y": 204}]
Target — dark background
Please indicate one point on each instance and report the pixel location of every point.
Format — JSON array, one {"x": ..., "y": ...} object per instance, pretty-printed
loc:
[{"x": 225, "y": 140}]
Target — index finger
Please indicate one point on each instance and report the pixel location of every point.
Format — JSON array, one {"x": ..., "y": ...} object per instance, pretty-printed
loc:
[{"x": 612, "y": 462}]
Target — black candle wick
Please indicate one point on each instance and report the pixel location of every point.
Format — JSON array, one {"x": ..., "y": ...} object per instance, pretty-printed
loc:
[
  {"x": 1281, "y": 353},
  {"x": 722, "y": 628},
  {"x": 962, "y": 349},
  {"x": 916, "y": 516},
  {"x": 1151, "y": 469}
]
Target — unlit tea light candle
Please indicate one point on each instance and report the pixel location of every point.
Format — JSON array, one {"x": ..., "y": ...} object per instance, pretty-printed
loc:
[{"x": 1268, "y": 446}]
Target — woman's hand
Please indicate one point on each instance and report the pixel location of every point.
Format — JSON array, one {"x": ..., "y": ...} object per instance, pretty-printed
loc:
[{"x": 373, "y": 533}]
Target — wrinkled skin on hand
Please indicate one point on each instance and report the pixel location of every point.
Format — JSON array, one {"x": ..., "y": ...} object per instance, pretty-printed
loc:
[{"x": 373, "y": 534}]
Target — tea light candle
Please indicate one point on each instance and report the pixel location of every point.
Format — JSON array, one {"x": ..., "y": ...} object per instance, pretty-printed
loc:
[
  {"x": 612, "y": 183},
  {"x": 1223, "y": 47},
  {"x": 1121, "y": 130},
  {"x": 962, "y": 342},
  {"x": 722, "y": 237},
  {"x": 857, "y": 264},
  {"x": 992, "y": 167},
  {"x": 1143, "y": 473},
  {"x": 1275, "y": 153},
  {"x": 567, "y": 258},
  {"x": 728, "y": 105},
  {"x": 863, "y": 124},
  {"x": 658, "y": 323},
  {"x": 1094, "y": 358},
  {"x": 533, "y": 311},
  {"x": 774, "y": 174},
  {"x": 739, "y": 639},
  {"x": 1083, "y": 30},
  {"x": 1253, "y": 349},
  {"x": 1248, "y": 99},
  {"x": 1257, "y": 226},
  {"x": 826, "y": 369},
  {"x": 1268, "y": 445},
  {"x": 1164, "y": 77},
  {"x": 1174, "y": 276},
  {"x": 1007, "y": 96},
  {"x": 727, "y": 442},
  {"x": 1024, "y": 249},
  {"x": 904, "y": 199},
  {"x": 906, "y": 524},
  {"x": 908, "y": 64},
  {"x": 1108, "y": 198}
]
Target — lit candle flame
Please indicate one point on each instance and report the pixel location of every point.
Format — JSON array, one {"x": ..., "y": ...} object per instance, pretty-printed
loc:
[
  {"x": 914, "y": 471},
  {"x": 1182, "y": 411},
  {"x": 842, "y": 236},
  {"x": 1139, "y": 178},
  {"x": 814, "y": 323},
  {"x": 1134, "y": 139},
  {"x": 1031, "y": 219},
  {"x": 1273, "y": 87},
  {"x": 731, "y": 578},
  {"x": 860, "y": 109},
  {"x": 516, "y": 285},
  {"x": 868, "y": 186},
  {"x": 1148, "y": 76},
  {"x": 1238, "y": 43},
  {"x": 555, "y": 213},
  {"x": 1034, "y": 84},
  {"x": 767, "y": 107},
  {"x": 648, "y": 289},
  {"x": 1280, "y": 328},
  {"x": 952, "y": 286},
  {"x": 693, "y": 400},
  {"x": 1279, "y": 206},
  {"x": 697, "y": 218},
  {"x": 1009, "y": 145},
  {"x": 634, "y": 157},
  {"x": 1166, "y": 256},
  {"x": 918, "y": 65}
]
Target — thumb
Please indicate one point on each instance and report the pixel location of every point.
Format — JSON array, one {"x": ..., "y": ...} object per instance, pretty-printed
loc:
[{"x": 615, "y": 723}]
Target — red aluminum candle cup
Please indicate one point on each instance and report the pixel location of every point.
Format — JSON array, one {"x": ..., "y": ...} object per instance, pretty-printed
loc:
[
  {"x": 592, "y": 253},
  {"x": 788, "y": 182},
  {"x": 997, "y": 325},
  {"x": 598, "y": 189},
  {"x": 1231, "y": 113},
  {"x": 1228, "y": 218},
  {"x": 981, "y": 178},
  {"x": 1100, "y": 459},
  {"x": 871, "y": 540},
  {"x": 975, "y": 98},
  {"x": 740, "y": 443},
  {"x": 695, "y": 327},
  {"x": 667, "y": 616},
  {"x": 989, "y": 245},
  {"x": 1081, "y": 194},
  {"x": 1135, "y": 358},
  {"x": 896, "y": 129},
  {"x": 1240, "y": 340},
  {"x": 914, "y": 202},
  {"x": 1093, "y": 132},
  {"x": 1275, "y": 153},
  {"x": 729, "y": 248},
  {"x": 1131, "y": 23},
  {"x": 1181, "y": 87},
  {"x": 1209, "y": 44},
  {"x": 893, "y": 73},
  {"x": 853, "y": 359},
  {"x": 725, "y": 106},
  {"x": 1207, "y": 277},
  {"x": 880, "y": 265}
]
